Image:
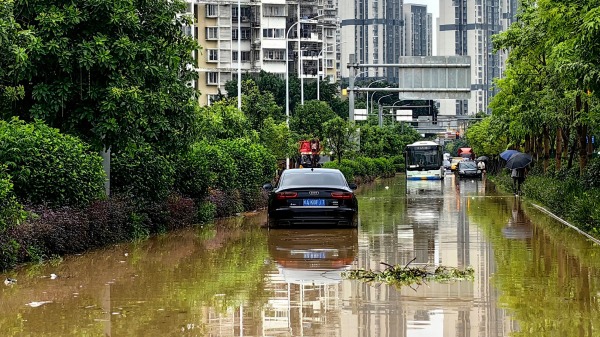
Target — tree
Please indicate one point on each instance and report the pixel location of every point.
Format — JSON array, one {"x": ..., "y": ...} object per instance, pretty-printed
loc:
[
  {"x": 111, "y": 72},
  {"x": 222, "y": 120},
  {"x": 310, "y": 117},
  {"x": 16, "y": 44},
  {"x": 484, "y": 139},
  {"x": 340, "y": 134},
  {"x": 258, "y": 106},
  {"x": 276, "y": 137}
]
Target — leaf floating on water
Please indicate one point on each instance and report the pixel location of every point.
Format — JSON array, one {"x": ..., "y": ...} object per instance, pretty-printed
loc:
[{"x": 400, "y": 276}]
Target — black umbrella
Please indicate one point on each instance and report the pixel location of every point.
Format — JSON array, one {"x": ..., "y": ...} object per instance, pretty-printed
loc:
[
  {"x": 482, "y": 158},
  {"x": 518, "y": 160}
]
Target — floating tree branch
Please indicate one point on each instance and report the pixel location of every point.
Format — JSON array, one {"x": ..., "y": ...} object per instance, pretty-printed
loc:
[{"x": 407, "y": 276}]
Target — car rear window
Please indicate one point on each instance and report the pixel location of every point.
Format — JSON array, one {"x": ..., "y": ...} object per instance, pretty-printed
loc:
[
  {"x": 313, "y": 179},
  {"x": 467, "y": 165}
]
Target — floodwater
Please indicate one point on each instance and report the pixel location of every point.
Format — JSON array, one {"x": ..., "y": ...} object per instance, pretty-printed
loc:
[{"x": 533, "y": 276}]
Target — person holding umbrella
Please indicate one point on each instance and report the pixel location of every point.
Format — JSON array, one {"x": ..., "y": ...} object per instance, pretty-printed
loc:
[
  {"x": 517, "y": 163},
  {"x": 518, "y": 177}
]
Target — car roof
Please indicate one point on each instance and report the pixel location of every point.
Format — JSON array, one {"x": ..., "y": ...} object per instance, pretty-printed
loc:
[{"x": 310, "y": 170}]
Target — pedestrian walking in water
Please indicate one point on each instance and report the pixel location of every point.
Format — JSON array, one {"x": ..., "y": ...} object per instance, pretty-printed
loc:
[{"x": 518, "y": 177}]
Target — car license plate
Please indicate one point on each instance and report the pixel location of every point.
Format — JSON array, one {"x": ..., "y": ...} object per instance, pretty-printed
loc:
[
  {"x": 313, "y": 202},
  {"x": 314, "y": 255}
]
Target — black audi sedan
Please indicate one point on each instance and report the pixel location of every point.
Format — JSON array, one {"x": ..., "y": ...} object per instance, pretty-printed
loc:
[{"x": 312, "y": 197}]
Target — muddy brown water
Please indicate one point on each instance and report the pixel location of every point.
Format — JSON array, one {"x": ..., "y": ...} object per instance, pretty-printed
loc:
[{"x": 533, "y": 276}]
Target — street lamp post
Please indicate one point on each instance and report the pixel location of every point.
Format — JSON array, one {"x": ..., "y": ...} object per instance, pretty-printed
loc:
[
  {"x": 287, "y": 85},
  {"x": 380, "y": 109},
  {"x": 239, "y": 47},
  {"x": 380, "y": 80}
]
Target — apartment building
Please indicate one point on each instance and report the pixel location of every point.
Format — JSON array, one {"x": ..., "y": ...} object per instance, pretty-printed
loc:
[
  {"x": 371, "y": 32},
  {"x": 465, "y": 27},
  {"x": 268, "y": 28},
  {"x": 418, "y": 32}
]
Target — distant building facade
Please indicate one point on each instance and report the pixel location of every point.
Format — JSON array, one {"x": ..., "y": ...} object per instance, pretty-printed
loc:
[
  {"x": 418, "y": 32},
  {"x": 465, "y": 27},
  {"x": 371, "y": 32},
  {"x": 267, "y": 26}
]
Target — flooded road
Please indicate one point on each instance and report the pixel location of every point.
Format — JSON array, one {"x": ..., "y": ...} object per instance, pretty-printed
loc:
[{"x": 533, "y": 276}]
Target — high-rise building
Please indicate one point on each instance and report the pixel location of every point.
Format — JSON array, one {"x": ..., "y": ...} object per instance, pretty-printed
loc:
[
  {"x": 418, "y": 30},
  {"x": 371, "y": 33},
  {"x": 267, "y": 27},
  {"x": 465, "y": 27}
]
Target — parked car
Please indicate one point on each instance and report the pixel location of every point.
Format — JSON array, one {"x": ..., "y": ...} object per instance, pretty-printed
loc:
[
  {"x": 312, "y": 197},
  {"x": 468, "y": 169}
]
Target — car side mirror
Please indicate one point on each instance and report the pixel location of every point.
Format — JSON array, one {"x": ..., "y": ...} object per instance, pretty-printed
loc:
[
  {"x": 268, "y": 187},
  {"x": 352, "y": 186}
]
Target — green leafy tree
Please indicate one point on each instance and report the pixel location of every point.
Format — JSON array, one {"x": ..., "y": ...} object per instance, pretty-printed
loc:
[
  {"x": 111, "y": 72},
  {"x": 276, "y": 137},
  {"x": 258, "y": 106},
  {"x": 222, "y": 120},
  {"x": 310, "y": 117},
  {"x": 485, "y": 139},
  {"x": 15, "y": 45},
  {"x": 340, "y": 137}
]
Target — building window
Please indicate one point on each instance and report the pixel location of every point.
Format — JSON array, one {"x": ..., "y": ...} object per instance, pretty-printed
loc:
[
  {"x": 212, "y": 33},
  {"x": 213, "y": 55},
  {"x": 274, "y": 33},
  {"x": 212, "y": 78},
  {"x": 274, "y": 10},
  {"x": 212, "y": 99},
  {"x": 329, "y": 63},
  {"x": 245, "y": 56},
  {"x": 246, "y": 33},
  {"x": 211, "y": 11},
  {"x": 274, "y": 55}
]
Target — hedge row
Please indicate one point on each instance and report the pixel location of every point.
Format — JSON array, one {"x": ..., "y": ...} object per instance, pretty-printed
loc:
[
  {"x": 48, "y": 167},
  {"x": 565, "y": 193},
  {"x": 364, "y": 169},
  {"x": 61, "y": 182}
]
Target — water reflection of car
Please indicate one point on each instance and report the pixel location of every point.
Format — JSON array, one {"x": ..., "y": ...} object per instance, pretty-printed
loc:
[
  {"x": 468, "y": 169},
  {"x": 305, "y": 197},
  {"x": 313, "y": 256}
]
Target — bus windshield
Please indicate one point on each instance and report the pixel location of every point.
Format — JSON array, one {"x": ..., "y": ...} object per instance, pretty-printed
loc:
[{"x": 423, "y": 157}]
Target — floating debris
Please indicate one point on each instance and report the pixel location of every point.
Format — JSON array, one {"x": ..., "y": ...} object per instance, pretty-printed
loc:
[
  {"x": 37, "y": 304},
  {"x": 53, "y": 276},
  {"x": 400, "y": 276},
  {"x": 9, "y": 281}
]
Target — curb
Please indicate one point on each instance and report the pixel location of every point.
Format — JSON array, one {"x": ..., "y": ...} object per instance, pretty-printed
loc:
[{"x": 564, "y": 222}]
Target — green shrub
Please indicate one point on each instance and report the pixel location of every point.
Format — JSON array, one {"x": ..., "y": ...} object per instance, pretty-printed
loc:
[
  {"x": 591, "y": 175},
  {"x": 193, "y": 174},
  {"x": 368, "y": 166},
  {"x": 142, "y": 174},
  {"x": 9, "y": 252},
  {"x": 11, "y": 212},
  {"x": 49, "y": 167},
  {"x": 398, "y": 162},
  {"x": 206, "y": 211},
  {"x": 223, "y": 169},
  {"x": 254, "y": 166}
]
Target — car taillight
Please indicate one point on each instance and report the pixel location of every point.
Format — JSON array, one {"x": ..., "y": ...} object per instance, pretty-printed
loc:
[
  {"x": 341, "y": 195},
  {"x": 285, "y": 195}
]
